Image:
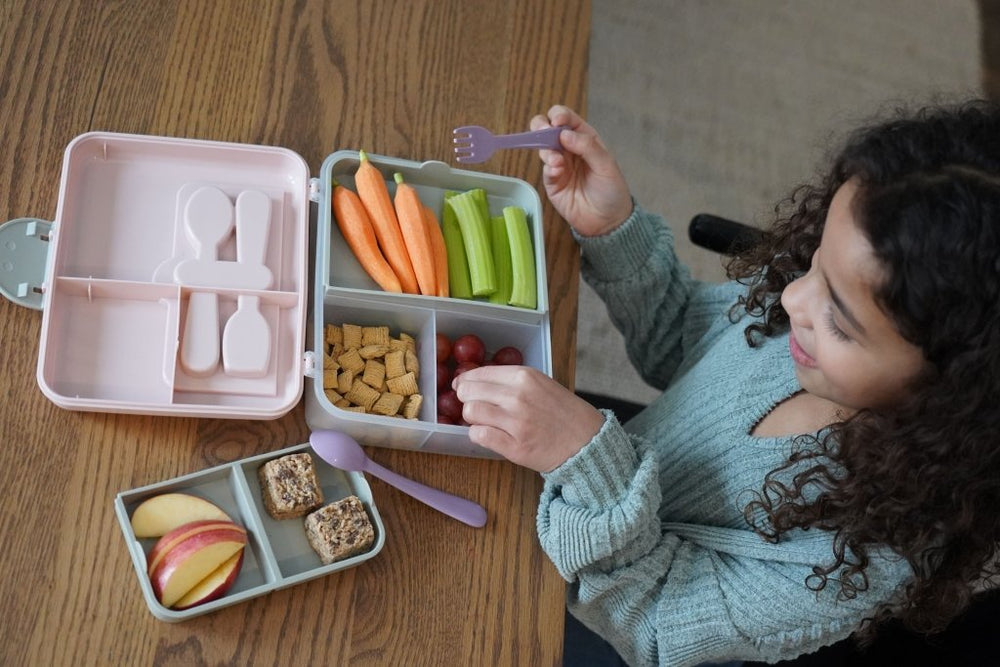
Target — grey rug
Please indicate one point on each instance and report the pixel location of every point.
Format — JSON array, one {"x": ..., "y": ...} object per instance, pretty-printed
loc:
[{"x": 724, "y": 105}]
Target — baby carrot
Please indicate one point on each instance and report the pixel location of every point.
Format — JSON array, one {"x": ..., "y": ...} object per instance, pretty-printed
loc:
[
  {"x": 410, "y": 212},
  {"x": 440, "y": 251},
  {"x": 374, "y": 194},
  {"x": 356, "y": 226}
]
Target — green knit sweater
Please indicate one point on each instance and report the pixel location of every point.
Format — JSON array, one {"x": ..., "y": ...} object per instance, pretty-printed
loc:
[{"x": 646, "y": 521}]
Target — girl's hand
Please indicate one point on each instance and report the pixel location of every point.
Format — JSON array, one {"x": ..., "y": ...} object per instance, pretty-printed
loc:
[
  {"x": 583, "y": 181},
  {"x": 525, "y": 416}
]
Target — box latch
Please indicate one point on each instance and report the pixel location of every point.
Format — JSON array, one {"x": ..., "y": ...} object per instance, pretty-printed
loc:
[
  {"x": 315, "y": 190},
  {"x": 309, "y": 364},
  {"x": 24, "y": 252}
]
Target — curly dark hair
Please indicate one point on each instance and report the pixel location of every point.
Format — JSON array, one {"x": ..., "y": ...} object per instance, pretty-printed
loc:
[{"x": 923, "y": 477}]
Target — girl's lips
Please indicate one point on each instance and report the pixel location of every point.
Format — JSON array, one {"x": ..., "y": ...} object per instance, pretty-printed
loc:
[{"x": 799, "y": 355}]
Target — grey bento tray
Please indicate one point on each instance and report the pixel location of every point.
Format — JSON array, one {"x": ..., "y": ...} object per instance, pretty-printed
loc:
[
  {"x": 277, "y": 552},
  {"x": 343, "y": 292}
]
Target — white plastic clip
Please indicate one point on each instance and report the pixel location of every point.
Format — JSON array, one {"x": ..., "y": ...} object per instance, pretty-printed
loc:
[
  {"x": 309, "y": 364},
  {"x": 314, "y": 189},
  {"x": 31, "y": 229}
]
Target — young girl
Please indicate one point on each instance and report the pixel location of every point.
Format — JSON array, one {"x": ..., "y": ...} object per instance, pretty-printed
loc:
[{"x": 826, "y": 449}]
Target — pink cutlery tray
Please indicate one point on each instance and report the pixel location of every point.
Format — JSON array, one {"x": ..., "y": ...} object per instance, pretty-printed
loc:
[
  {"x": 117, "y": 321},
  {"x": 177, "y": 281}
]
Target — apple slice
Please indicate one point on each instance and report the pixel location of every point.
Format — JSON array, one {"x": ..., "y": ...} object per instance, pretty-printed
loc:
[
  {"x": 160, "y": 514},
  {"x": 192, "y": 559},
  {"x": 214, "y": 585},
  {"x": 167, "y": 542}
]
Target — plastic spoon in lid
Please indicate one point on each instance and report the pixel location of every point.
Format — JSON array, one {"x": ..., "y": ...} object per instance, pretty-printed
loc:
[
  {"x": 342, "y": 451},
  {"x": 246, "y": 339},
  {"x": 208, "y": 221}
]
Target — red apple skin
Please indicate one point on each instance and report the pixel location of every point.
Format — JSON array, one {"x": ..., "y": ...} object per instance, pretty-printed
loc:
[
  {"x": 161, "y": 576},
  {"x": 219, "y": 590},
  {"x": 175, "y": 536}
]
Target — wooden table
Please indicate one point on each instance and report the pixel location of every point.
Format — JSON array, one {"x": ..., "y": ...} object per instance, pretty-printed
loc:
[{"x": 392, "y": 77}]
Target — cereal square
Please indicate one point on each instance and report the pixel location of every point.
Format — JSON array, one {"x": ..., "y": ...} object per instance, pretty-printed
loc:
[
  {"x": 289, "y": 486},
  {"x": 340, "y": 530}
]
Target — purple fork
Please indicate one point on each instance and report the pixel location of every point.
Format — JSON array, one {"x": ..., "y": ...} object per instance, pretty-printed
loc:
[{"x": 476, "y": 144}]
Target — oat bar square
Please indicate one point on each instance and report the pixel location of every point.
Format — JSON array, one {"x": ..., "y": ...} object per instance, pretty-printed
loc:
[
  {"x": 289, "y": 486},
  {"x": 340, "y": 530}
]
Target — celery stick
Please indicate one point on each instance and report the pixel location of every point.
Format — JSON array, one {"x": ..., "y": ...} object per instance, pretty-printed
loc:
[
  {"x": 524, "y": 292},
  {"x": 475, "y": 235},
  {"x": 459, "y": 285},
  {"x": 501, "y": 260},
  {"x": 479, "y": 196}
]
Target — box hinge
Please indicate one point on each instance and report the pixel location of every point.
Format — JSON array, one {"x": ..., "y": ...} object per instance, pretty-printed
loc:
[
  {"x": 315, "y": 189},
  {"x": 24, "y": 254}
]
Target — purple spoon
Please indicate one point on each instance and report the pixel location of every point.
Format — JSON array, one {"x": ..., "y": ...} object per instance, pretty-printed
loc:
[{"x": 342, "y": 451}]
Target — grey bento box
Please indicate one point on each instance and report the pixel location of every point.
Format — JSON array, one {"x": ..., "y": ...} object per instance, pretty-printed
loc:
[{"x": 130, "y": 254}]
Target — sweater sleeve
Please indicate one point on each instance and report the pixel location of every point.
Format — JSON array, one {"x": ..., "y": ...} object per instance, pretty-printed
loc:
[
  {"x": 679, "y": 594},
  {"x": 650, "y": 296}
]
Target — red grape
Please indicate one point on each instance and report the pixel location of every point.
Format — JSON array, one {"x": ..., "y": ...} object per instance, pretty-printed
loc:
[
  {"x": 443, "y": 376},
  {"x": 449, "y": 405},
  {"x": 445, "y": 420},
  {"x": 469, "y": 347},
  {"x": 443, "y": 347},
  {"x": 508, "y": 356},
  {"x": 464, "y": 366}
]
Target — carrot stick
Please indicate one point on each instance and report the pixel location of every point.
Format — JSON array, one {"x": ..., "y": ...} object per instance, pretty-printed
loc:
[
  {"x": 440, "y": 251},
  {"x": 356, "y": 226},
  {"x": 374, "y": 194},
  {"x": 410, "y": 212}
]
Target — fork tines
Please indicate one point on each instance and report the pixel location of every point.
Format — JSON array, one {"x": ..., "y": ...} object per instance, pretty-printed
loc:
[{"x": 464, "y": 146}]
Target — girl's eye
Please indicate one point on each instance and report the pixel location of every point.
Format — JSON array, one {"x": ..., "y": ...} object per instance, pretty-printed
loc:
[{"x": 832, "y": 327}]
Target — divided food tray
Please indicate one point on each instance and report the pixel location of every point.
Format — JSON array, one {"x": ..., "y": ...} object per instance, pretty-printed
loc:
[
  {"x": 344, "y": 293},
  {"x": 277, "y": 554},
  {"x": 151, "y": 306}
]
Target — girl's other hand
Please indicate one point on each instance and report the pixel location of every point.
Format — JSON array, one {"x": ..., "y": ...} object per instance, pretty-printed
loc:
[
  {"x": 583, "y": 181},
  {"x": 525, "y": 416}
]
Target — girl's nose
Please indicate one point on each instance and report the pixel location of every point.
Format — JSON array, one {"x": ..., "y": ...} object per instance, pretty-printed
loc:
[{"x": 794, "y": 300}]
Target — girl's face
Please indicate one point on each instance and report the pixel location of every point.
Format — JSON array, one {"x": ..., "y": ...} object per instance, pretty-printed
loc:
[{"x": 845, "y": 348}]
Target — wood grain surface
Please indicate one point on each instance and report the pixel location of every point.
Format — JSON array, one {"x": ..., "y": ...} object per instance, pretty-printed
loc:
[{"x": 392, "y": 77}]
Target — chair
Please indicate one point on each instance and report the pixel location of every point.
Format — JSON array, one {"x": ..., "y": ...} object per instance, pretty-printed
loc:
[{"x": 722, "y": 235}]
